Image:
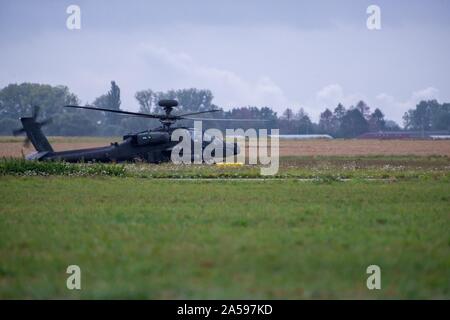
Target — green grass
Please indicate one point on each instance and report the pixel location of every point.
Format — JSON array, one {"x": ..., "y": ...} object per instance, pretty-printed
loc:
[
  {"x": 322, "y": 168},
  {"x": 43, "y": 168},
  {"x": 148, "y": 238}
]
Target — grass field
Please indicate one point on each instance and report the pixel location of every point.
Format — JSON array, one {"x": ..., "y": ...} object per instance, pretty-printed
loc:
[
  {"x": 165, "y": 231},
  {"x": 147, "y": 238}
]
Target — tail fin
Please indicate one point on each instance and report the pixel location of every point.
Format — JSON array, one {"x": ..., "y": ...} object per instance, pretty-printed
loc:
[{"x": 35, "y": 134}]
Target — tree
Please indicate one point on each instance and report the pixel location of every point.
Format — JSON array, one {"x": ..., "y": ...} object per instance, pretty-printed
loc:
[
  {"x": 422, "y": 116},
  {"x": 441, "y": 117},
  {"x": 326, "y": 121},
  {"x": 267, "y": 113},
  {"x": 392, "y": 126},
  {"x": 376, "y": 121},
  {"x": 147, "y": 100},
  {"x": 288, "y": 114},
  {"x": 338, "y": 115},
  {"x": 248, "y": 112},
  {"x": 285, "y": 123},
  {"x": 109, "y": 123},
  {"x": 113, "y": 101},
  {"x": 304, "y": 124},
  {"x": 114, "y": 96},
  {"x": 353, "y": 123},
  {"x": 301, "y": 113},
  {"x": 408, "y": 119},
  {"x": 339, "y": 112},
  {"x": 189, "y": 100},
  {"x": 193, "y": 99},
  {"x": 75, "y": 123},
  {"x": 364, "y": 109},
  {"x": 428, "y": 115},
  {"x": 17, "y": 100},
  {"x": 7, "y": 125},
  {"x": 100, "y": 102},
  {"x": 418, "y": 118}
]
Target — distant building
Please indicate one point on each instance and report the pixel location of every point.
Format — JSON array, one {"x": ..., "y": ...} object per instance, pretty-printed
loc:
[
  {"x": 440, "y": 137},
  {"x": 385, "y": 135}
]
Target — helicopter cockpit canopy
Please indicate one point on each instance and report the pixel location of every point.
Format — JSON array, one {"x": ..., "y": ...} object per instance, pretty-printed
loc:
[{"x": 148, "y": 138}]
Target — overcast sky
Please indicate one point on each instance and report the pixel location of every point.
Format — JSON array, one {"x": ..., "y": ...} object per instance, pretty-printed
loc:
[{"x": 310, "y": 54}]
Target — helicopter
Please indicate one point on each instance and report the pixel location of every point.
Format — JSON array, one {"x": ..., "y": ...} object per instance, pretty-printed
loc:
[{"x": 152, "y": 146}]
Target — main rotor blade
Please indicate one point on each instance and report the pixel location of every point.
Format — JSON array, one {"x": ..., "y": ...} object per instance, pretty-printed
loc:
[
  {"x": 137, "y": 114},
  {"x": 163, "y": 116},
  {"x": 215, "y": 119},
  {"x": 194, "y": 113}
]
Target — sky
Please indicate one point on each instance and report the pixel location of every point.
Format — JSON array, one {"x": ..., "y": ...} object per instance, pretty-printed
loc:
[{"x": 309, "y": 54}]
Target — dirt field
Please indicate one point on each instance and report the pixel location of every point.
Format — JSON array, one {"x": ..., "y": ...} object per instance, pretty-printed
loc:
[
  {"x": 12, "y": 147},
  {"x": 355, "y": 147}
]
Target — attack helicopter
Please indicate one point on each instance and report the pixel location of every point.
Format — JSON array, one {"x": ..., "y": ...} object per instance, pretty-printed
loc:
[{"x": 153, "y": 145}]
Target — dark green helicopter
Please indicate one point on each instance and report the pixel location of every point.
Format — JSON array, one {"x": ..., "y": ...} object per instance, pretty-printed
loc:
[{"x": 152, "y": 146}]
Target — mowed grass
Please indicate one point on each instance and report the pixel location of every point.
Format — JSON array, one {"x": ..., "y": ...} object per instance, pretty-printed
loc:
[
  {"x": 147, "y": 238},
  {"x": 318, "y": 168}
]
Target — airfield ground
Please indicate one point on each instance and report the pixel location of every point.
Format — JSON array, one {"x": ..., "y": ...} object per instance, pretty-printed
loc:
[
  {"x": 12, "y": 146},
  {"x": 135, "y": 236}
]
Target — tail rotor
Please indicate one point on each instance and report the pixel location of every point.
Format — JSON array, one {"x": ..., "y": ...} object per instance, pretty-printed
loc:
[{"x": 33, "y": 121}]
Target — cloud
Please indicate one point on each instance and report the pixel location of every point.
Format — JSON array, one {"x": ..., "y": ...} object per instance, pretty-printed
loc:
[
  {"x": 425, "y": 94},
  {"x": 229, "y": 88},
  {"x": 330, "y": 95},
  {"x": 415, "y": 97},
  {"x": 395, "y": 108}
]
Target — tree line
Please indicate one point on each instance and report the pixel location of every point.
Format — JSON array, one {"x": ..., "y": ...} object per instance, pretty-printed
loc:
[{"x": 17, "y": 100}]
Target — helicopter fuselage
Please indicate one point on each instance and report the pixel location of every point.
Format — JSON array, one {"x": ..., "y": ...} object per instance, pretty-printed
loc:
[{"x": 149, "y": 146}]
